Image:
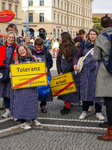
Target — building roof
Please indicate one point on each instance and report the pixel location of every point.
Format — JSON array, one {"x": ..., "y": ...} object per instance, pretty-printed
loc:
[{"x": 101, "y": 14}]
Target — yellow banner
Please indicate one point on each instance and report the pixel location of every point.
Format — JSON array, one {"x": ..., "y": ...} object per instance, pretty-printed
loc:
[
  {"x": 28, "y": 75},
  {"x": 27, "y": 68},
  {"x": 62, "y": 84}
]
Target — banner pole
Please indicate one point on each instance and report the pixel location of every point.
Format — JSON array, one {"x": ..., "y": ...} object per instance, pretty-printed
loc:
[{"x": 3, "y": 31}]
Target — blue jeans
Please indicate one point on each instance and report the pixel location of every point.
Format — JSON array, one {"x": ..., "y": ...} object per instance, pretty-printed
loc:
[{"x": 7, "y": 102}]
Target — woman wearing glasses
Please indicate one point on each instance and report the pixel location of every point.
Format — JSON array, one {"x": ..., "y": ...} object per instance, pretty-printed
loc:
[{"x": 7, "y": 54}]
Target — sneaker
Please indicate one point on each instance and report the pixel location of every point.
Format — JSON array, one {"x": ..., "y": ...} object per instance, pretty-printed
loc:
[
  {"x": 100, "y": 116},
  {"x": 83, "y": 115},
  {"x": 7, "y": 114},
  {"x": 14, "y": 119},
  {"x": 36, "y": 123},
  {"x": 90, "y": 108},
  {"x": 80, "y": 103},
  {"x": 25, "y": 126},
  {"x": 65, "y": 111},
  {"x": 43, "y": 109}
]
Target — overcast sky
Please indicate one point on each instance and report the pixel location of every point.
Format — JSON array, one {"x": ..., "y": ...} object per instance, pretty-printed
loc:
[{"x": 102, "y": 6}]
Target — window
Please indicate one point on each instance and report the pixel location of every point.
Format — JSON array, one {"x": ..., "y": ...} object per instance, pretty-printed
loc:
[
  {"x": 65, "y": 19},
  {"x": 76, "y": 22},
  {"x": 41, "y": 2},
  {"x": 3, "y": 6},
  {"x": 61, "y": 4},
  {"x": 71, "y": 21},
  {"x": 77, "y": 10},
  {"x": 68, "y": 7},
  {"x": 58, "y": 3},
  {"x": 82, "y": 11},
  {"x": 58, "y": 33},
  {"x": 10, "y": 6},
  {"x": 30, "y": 17},
  {"x": 16, "y": 11},
  {"x": 58, "y": 18},
  {"x": 54, "y": 33},
  {"x": 30, "y": 2},
  {"x": 65, "y": 6},
  {"x": 74, "y": 9},
  {"x": 71, "y": 8},
  {"x": 68, "y": 20},
  {"x": 73, "y": 34},
  {"x": 61, "y": 19},
  {"x": 54, "y": 3},
  {"x": 54, "y": 17},
  {"x": 41, "y": 17}
]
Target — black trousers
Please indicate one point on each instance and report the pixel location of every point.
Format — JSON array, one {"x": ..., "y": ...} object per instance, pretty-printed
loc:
[
  {"x": 43, "y": 103},
  {"x": 108, "y": 103},
  {"x": 86, "y": 104},
  {"x": 24, "y": 120}
]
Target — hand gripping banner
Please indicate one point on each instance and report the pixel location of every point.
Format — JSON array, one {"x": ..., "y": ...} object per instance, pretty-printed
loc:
[
  {"x": 28, "y": 75},
  {"x": 62, "y": 84}
]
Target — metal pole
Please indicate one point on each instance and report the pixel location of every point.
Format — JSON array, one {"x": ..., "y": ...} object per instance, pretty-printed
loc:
[
  {"x": 67, "y": 15},
  {"x": 83, "y": 14},
  {"x": 28, "y": 16}
]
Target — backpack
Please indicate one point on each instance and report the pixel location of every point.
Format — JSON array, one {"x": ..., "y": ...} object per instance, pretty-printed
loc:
[
  {"x": 47, "y": 51},
  {"x": 81, "y": 60},
  {"x": 108, "y": 64}
]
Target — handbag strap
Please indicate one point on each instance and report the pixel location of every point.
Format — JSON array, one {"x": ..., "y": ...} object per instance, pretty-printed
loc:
[
  {"x": 88, "y": 53},
  {"x": 12, "y": 55}
]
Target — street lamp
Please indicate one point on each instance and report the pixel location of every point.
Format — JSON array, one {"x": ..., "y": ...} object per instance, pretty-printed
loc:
[
  {"x": 28, "y": 17},
  {"x": 67, "y": 15},
  {"x": 83, "y": 13}
]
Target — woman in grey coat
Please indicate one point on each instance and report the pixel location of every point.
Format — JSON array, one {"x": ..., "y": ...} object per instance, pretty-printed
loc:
[{"x": 104, "y": 78}]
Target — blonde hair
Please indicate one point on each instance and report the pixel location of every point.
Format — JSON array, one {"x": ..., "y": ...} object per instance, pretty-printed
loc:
[
  {"x": 11, "y": 32},
  {"x": 28, "y": 55}
]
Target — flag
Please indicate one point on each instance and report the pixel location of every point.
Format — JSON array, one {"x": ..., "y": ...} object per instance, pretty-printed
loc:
[{"x": 26, "y": 26}]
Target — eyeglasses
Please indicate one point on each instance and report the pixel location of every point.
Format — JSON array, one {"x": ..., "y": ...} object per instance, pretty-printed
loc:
[{"x": 11, "y": 37}]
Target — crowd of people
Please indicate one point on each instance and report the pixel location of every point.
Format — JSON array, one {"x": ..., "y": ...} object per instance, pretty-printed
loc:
[{"x": 93, "y": 82}]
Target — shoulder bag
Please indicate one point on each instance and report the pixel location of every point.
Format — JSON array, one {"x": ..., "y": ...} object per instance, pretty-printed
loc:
[{"x": 81, "y": 60}]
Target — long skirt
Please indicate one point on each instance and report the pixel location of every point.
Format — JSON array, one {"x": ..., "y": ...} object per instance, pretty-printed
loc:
[{"x": 24, "y": 103}]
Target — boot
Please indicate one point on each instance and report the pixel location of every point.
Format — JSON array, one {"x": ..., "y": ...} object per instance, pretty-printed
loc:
[
  {"x": 107, "y": 136},
  {"x": 3, "y": 106}
]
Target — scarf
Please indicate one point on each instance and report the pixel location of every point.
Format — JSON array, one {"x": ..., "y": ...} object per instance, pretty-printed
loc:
[
  {"x": 35, "y": 50},
  {"x": 89, "y": 45}
]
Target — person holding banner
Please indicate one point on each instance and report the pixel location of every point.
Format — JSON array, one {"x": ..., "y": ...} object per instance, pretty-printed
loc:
[
  {"x": 65, "y": 58},
  {"x": 7, "y": 54},
  {"x": 24, "y": 102},
  {"x": 42, "y": 54},
  {"x": 88, "y": 76}
]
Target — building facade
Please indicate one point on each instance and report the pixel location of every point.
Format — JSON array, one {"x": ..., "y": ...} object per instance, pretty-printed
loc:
[
  {"x": 51, "y": 17},
  {"x": 16, "y": 7}
]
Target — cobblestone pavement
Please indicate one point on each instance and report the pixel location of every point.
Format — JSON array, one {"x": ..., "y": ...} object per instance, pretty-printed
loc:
[{"x": 57, "y": 132}]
